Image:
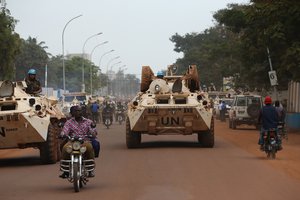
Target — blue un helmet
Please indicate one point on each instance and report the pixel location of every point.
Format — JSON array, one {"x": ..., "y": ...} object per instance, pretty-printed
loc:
[
  {"x": 160, "y": 74},
  {"x": 32, "y": 71}
]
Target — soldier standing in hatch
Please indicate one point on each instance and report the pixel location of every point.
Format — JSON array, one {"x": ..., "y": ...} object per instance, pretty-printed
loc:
[{"x": 33, "y": 85}]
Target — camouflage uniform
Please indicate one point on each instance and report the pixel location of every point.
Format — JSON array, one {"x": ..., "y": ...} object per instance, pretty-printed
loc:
[{"x": 32, "y": 86}]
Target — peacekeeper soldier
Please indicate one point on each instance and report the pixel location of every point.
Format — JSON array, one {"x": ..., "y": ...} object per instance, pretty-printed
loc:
[{"x": 33, "y": 85}]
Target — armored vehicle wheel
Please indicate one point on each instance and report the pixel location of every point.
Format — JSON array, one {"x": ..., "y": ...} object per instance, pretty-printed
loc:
[
  {"x": 133, "y": 139},
  {"x": 207, "y": 138},
  {"x": 49, "y": 149},
  {"x": 146, "y": 78}
]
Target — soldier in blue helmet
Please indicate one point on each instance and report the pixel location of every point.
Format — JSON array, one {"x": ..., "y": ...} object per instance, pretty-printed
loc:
[
  {"x": 160, "y": 74},
  {"x": 33, "y": 85}
]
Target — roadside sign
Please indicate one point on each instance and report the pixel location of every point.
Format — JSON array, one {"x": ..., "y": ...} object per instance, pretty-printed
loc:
[{"x": 273, "y": 78}]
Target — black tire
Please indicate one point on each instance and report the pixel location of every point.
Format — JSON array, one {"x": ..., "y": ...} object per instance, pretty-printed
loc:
[
  {"x": 120, "y": 119},
  {"x": 76, "y": 177},
  {"x": 133, "y": 139},
  {"x": 230, "y": 123},
  {"x": 146, "y": 78},
  {"x": 207, "y": 138},
  {"x": 107, "y": 123},
  {"x": 273, "y": 152},
  {"x": 257, "y": 126},
  {"x": 49, "y": 150},
  {"x": 233, "y": 124},
  {"x": 253, "y": 110}
]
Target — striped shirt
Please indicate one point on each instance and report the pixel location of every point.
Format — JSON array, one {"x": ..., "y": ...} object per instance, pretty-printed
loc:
[{"x": 80, "y": 129}]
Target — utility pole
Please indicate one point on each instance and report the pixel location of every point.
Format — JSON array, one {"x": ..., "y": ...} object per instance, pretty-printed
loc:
[{"x": 272, "y": 75}]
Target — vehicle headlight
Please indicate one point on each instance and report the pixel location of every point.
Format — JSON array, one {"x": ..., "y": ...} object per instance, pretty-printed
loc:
[
  {"x": 76, "y": 146},
  {"x": 82, "y": 149},
  {"x": 157, "y": 88},
  {"x": 69, "y": 149}
]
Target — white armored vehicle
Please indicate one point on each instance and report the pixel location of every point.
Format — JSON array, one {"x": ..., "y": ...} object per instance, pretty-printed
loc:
[
  {"x": 170, "y": 105},
  {"x": 29, "y": 121}
]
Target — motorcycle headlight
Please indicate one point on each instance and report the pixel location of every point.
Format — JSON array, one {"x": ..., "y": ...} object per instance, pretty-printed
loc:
[
  {"x": 82, "y": 149},
  {"x": 69, "y": 149},
  {"x": 76, "y": 146}
]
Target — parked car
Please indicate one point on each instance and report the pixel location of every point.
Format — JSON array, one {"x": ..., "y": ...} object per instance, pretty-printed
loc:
[
  {"x": 228, "y": 103},
  {"x": 245, "y": 110}
]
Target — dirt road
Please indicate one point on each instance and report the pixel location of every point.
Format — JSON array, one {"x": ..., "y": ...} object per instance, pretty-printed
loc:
[
  {"x": 245, "y": 137},
  {"x": 168, "y": 167}
]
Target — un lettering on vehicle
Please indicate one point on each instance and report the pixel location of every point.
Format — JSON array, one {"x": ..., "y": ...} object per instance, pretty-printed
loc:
[{"x": 170, "y": 121}]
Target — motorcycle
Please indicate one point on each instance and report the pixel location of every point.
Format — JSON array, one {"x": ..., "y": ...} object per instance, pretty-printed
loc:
[
  {"x": 77, "y": 167},
  {"x": 107, "y": 119},
  {"x": 271, "y": 145},
  {"x": 120, "y": 116}
]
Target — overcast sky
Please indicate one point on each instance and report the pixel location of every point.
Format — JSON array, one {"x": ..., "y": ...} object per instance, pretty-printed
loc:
[{"x": 138, "y": 30}]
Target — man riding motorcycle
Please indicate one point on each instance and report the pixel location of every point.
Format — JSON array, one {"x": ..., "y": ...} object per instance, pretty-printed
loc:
[
  {"x": 107, "y": 112},
  {"x": 268, "y": 118},
  {"x": 79, "y": 126},
  {"x": 120, "y": 109}
]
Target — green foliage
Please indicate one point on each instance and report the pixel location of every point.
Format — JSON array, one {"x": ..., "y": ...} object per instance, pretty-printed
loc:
[
  {"x": 215, "y": 52},
  {"x": 237, "y": 45},
  {"x": 32, "y": 55},
  {"x": 9, "y": 44}
]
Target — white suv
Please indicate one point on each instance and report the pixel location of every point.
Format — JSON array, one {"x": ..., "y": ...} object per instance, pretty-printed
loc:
[{"x": 245, "y": 110}]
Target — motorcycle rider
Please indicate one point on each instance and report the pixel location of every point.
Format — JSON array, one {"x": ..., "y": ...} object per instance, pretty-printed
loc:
[
  {"x": 95, "y": 111},
  {"x": 268, "y": 118},
  {"x": 82, "y": 127},
  {"x": 107, "y": 111},
  {"x": 121, "y": 108},
  {"x": 33, "y": 85},
  {"x": 280, "y": 111}
]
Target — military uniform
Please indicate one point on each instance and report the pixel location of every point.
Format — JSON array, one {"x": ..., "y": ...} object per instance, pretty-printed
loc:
[{"x": 32, "y": 86}]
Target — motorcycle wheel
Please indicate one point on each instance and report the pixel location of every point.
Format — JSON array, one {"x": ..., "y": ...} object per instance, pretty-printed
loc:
[
  {"x": 107, "y": 123},
  {"x": 273, "y": 153},
  {"x": 76, "y": 177},
  {"x": 120, "y": 119}
]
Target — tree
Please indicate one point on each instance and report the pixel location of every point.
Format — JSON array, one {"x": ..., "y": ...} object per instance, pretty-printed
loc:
[
  {"x": 9, "y": 44},
  {"x": 266, "y": 24},
  {"x": 32, "y": 55},
  {"x": 215, "y": 51}
]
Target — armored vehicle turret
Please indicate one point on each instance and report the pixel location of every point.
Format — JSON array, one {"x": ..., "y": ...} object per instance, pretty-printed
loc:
[
  {"x": 170, "y": 105},
  {"x": 29, "y": 121}
]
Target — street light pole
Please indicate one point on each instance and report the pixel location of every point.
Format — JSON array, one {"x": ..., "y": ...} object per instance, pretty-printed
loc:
[
  {"x": 114, "y": 58},
  {"x": 91, "y": 70},
  {"x": 104, "y": 55},
  {"x": 114, "y": 65},
  {"x": 63, "y": 52},
  {"x": 83, "y": 59}
]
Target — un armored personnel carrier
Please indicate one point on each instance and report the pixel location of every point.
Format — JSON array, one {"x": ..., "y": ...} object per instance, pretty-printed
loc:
[
  {"x": 170, "y": 105},
  {"x": 29, "y": 121}
]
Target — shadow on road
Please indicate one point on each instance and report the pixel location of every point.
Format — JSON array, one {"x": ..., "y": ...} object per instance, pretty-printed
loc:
[
  {"x": 168, "y": 144},
  {"x": 19, "y": 162}
]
